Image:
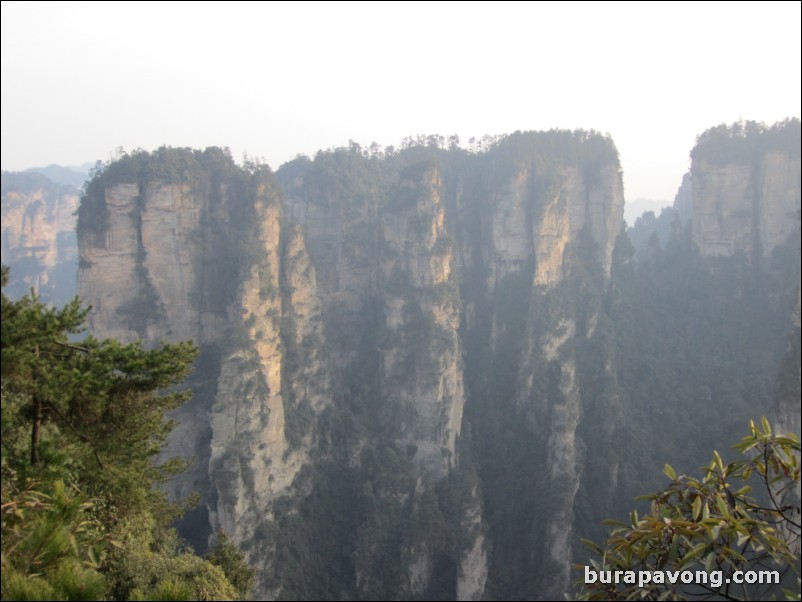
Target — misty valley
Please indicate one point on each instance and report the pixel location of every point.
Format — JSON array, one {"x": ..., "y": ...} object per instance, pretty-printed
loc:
[{"x": 426, "y": 372}]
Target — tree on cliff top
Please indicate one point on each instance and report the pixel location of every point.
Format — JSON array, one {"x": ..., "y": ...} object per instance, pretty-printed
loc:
[
  {"x": 714, "y": 525},
  {"x": 82, "y": 423},
  {"x": 747, "y": 141}
]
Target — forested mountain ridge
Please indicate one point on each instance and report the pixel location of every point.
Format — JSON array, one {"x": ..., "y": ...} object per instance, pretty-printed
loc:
[{"x": 428, "y": 372}]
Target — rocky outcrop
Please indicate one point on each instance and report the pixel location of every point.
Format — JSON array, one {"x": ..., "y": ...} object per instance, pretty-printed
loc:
[
  {"x": 472, "y": 569},
  {"x": 421, "y": 355},
  {"x": 38, "y": 236},
  {"x": 254, "y": 456},
  {"x": 552, "y": 227},
  {"x": 683, "y": 201},
  {"x": 351, "y": 299},
  {"x": 203, "y": 254},
  {"x": 594, "y": 207},
  {"x": 142, "y": 273},
  {"x": 748, "y": 202},
  {"x": 273, "y": 384},
  {"x": 747, "y": 198},
  {"x": 530, "y": 220},
  {"x": 391, "y": 310}
]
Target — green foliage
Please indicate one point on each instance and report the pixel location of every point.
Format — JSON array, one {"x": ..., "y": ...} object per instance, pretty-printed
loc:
[
  {"x": 167, "y": 589},
  {"x": 51, "y": 547},
  {"x": 176, "y": 577},
  {"x": 713, "y": 523},
  {"x": 82, "y": 423},
  {"x": 102, "y": 399},
  {"x": 542, "y": 153},
  {"x": 673, "y": 314},
  {"x": 747, "y": 141},
  {"x": 232, "y": 562}
]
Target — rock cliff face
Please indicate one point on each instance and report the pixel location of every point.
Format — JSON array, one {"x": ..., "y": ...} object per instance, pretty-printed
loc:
[
  {"x": 390, "y": 260},
  {"x": 747, "y": 200},
  {"x": 349, "y": 302},
  {"x": 409, "y": 362},
  {"x": 418, "y": 253},
  {"x": 413, "y": 365},
  {"x": 201, "y": 253},
  {"x": 565, "y": 209},
  {"x": 385, "y": 267},
  {"x": 410, "y": 371},
  {"x": 38, "y": 235},
  {"x": 524, "y": 238},
  {"x": 421, "y": 357},
  {"x": 149, "y": 256}
]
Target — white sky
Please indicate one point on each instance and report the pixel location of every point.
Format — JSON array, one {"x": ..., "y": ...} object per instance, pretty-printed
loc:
[{"x": 80, "y": 79}]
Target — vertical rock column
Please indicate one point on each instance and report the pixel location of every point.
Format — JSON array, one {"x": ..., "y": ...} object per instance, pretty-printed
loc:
[{"x": 421, "y": 355}]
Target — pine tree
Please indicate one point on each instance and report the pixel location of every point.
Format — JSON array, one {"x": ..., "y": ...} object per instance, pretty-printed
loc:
[{"x": 82, "y": 424}]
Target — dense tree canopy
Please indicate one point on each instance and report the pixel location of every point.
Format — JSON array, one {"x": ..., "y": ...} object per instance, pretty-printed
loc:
[
  {"x": 746, "y": 141},
  {"x": 82, "y": 423}
]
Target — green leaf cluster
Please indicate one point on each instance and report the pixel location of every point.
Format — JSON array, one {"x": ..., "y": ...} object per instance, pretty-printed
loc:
[{"x": 739, "y": 516}]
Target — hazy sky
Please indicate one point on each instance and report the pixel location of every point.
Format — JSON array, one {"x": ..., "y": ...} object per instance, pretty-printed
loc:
[{"x": 80, "y": 79}]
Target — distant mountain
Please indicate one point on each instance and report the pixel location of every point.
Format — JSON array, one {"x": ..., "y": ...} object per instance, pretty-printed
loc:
[
  {"x": 66, "y": 176},
  {"x": 634, "y": 209}
]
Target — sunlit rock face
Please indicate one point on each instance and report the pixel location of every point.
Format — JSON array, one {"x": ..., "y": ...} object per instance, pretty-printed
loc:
[
  {"x": 146, "y": 258},
  {"x": 543, "y": 227}
]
